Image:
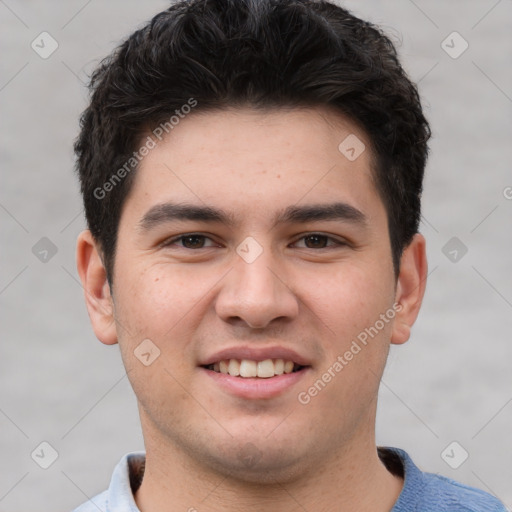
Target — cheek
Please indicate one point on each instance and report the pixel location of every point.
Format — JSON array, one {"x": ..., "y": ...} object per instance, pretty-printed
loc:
[
  {"x": 348, "y": 299},
  {"x": 164, "y": 304},
  {"x": 356, "y": 343},
  {"x": 155, "y": 304},
  {"x": 156, "y": 298}
]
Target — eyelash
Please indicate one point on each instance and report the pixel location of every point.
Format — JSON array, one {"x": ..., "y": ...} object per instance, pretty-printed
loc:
[{"x": 337, "y": 243}]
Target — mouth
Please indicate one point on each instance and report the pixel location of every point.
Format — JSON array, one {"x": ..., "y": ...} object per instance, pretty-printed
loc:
[
  {"x": 251, "y": 369},
  {"x": 256, "y": 373}
]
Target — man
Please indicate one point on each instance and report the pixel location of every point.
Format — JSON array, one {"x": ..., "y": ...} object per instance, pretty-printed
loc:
[{"x": 251, "y": 174}]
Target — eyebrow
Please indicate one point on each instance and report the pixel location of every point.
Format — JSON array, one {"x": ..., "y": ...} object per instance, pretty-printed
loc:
[{"x": 168, "y": 212}]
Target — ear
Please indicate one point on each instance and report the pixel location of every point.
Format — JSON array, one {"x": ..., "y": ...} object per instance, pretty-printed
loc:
[
  {"x": 96, "y": 288},
  {"x": 410, "y": 288}
]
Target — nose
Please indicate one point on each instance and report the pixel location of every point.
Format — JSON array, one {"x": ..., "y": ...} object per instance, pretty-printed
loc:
[{"x": 256, "y": 293}]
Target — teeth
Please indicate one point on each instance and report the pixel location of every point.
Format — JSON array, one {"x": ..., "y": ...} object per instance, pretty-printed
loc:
[
  {"x": 266, "y": 369},
  {"x": 247, "y": 368},
  {"x": 288, "y": 367},
  {"x": 233, "y": 368},
  {"x": 278, "y": 366}
]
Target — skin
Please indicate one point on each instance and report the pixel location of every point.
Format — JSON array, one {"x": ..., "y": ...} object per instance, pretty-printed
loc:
[{"x": 192, "y": 302}]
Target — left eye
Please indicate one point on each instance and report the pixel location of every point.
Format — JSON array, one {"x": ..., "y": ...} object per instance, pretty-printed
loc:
[
  {"x": 318, "y": 241},
  {"x": 192, "y": 241}
]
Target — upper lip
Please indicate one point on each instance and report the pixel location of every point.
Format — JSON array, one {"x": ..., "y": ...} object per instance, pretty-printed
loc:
[{"x": 256, "y": 354}]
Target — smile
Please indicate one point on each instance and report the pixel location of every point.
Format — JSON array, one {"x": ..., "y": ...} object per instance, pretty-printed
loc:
[{"x": 247, "y": 368}]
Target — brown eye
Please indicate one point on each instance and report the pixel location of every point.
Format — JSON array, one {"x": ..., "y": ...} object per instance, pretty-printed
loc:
[
  {"x": 316, "y": 241},
  {"x": 193, "y": 241},
  {"x": 190, "y": 241}
]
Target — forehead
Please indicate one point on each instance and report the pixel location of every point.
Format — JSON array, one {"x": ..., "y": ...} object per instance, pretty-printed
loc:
[{"x": 256, "y": 161}]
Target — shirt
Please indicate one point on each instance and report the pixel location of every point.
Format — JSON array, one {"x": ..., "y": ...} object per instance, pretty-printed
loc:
[{"x": 421, "y": 492}]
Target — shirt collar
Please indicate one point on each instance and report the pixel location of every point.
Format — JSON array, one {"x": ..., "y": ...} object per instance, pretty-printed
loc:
[
  {"x": 129, "y": 471},
  {"x": 125, "y": 481}
]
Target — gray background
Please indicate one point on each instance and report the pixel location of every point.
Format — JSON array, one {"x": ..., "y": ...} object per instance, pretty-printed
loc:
[{"x": 451, "y": 382}]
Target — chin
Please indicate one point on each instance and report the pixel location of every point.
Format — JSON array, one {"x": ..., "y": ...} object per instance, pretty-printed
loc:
[{"x": 259, "y": 463}]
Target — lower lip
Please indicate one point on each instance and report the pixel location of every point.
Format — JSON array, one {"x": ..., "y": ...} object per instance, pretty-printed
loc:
[{"x": 255, "y": 387}]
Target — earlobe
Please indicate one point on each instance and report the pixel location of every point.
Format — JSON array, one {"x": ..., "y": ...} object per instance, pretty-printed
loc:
[
  {"x": 96, "y": 288},
  {"x": 410, "y": 288}
]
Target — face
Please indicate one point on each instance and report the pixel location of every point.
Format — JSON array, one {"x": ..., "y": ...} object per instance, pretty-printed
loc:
[{"x": 249, "y": 238}]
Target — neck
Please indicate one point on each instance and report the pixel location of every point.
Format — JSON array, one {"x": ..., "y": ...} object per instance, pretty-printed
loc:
[{"x": 352, "y": 478}]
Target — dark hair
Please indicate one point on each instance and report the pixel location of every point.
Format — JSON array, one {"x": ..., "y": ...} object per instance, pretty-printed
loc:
[{"x": 218, "y": 54}]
